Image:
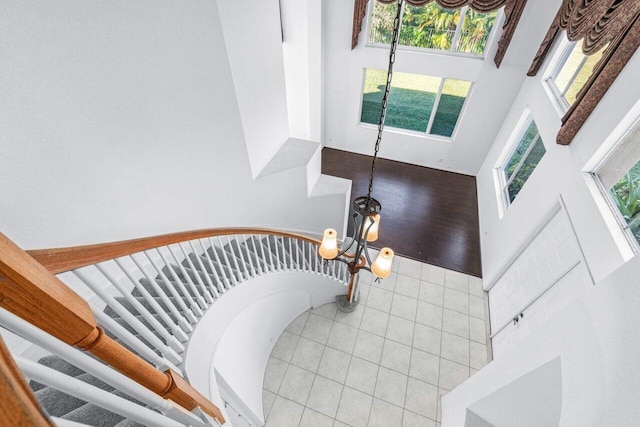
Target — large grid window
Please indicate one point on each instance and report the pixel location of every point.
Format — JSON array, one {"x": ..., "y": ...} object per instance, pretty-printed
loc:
[
  {"x": 571, "y": 73},
  {"x": 433, "y": 27},
  {"x": 618, "y": 177},
  {"x": 416, "y": 102},
  {"x": 522, "y": 161}
]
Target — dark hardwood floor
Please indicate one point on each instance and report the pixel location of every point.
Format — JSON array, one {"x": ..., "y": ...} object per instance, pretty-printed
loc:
[{"x": 427, "y": 214}]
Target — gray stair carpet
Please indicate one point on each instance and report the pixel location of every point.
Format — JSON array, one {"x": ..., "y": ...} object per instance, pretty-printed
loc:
[{"x": 233, "y": 262}]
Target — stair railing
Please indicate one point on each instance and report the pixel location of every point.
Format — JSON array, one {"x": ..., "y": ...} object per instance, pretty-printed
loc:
[
  {"x": 32, "y": 293},
  {"x": 149, "y": 295}
]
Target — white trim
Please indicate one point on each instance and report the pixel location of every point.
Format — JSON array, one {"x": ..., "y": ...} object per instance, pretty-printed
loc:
[
  {"x": 610, "y": 214},
  {"x": 557, "y": 206},
  {"x": 434, "y": 109},
  {"x": 533, "y": 233},
  {"x": 498, "y": 170}
]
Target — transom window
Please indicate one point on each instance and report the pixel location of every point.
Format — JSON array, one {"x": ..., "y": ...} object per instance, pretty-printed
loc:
[
  {"x": 618, "y": 178},
  {"x": 522, "y": 161},
  {"x": 572, "y": 72},
  {"x": 432, "y": 27},
  {"x": 416, "y": 102}
]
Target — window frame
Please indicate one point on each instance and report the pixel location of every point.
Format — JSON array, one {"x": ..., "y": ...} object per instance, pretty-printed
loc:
[
  {"x": 517, "y": 137},
  {"x": 463, "y": 11},
  {"x": 559, "y": 59},
  {"x": 432, "y": 115},
  {"x": 617, "y": 225}
]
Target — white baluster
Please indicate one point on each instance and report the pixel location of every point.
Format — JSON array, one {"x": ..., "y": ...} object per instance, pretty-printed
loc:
[
  {"x": 127, "y": 316},
  {"x": 229, "y": 270},
  {"x": 196, "y": 293},
  {"x": 182, "y": 322},
  {"x": 272, "y": 264},
  {"x": 258, "y": 259},
  {"x": 204, "y": 289},
  {"x": 157, "y": 326},
  {"x": 234, "y": 258},
  {"x": 131, "y": 340},
  {"x": 247, "y": 252},
  {"x": 265, "y": 262},
  {"x": 292, "y": 264},
  {"x": 299, "y": 264},
  {"x": 95, "y": 368},
  {"x": 186, "y": 295},
  {"x": 85, "y": 391},
  {"x": 186, "y": 312},
  {"x": 220, "y": 281},
  {"x": 178, "y": 333}
]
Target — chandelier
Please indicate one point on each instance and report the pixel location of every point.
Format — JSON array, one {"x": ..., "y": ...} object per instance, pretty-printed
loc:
[{"x": 366, "y": 218}]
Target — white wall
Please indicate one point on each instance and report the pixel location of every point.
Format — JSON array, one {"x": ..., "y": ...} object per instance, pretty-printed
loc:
[
  {"x": 596, "y": 341},
  {"x": 559, "y": 173},
  {"x": 489, "y": 101},
  {"x": 302, "y": 50},
  {"x": 265, "y": 306},
  {"x": 121, "y": 120},
  {"x": 253, "y": 40}
]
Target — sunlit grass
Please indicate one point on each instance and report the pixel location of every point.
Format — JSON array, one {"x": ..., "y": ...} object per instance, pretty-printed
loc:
[{"x": 411, "y": 101}]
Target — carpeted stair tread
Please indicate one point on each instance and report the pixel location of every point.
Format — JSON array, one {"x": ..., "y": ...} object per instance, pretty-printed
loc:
[
  {"x": 131, "y": 329},
  {"x": 182, "y": 278},
  {"x": 54, "y": 362},
  {"x": 282, "y": 252},
  {"x": 57, "y": 403},
  {"x": 251, "y": 256},
  {"x": 129, "y": 423},
  {"x": 93, "y": 415},
  {"x": 231, "y": 267},
  {"x": 90, "y": 379}
]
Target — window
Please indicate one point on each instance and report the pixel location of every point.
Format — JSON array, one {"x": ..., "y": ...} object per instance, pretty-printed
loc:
[
  {"x": 433, "y": 27},
  {"x": 521, "y": 161},
  {"x": 571, "y": 73},
  {"x": 618, "y": 178},
  {"x": 416, "y": 102}
]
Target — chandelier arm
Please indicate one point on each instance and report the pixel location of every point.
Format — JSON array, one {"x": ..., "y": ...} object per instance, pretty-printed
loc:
[
  {"x": 353, "y": 239},
  {"x": 360, "y": 238},
  {"x": 366, "y": 254}
]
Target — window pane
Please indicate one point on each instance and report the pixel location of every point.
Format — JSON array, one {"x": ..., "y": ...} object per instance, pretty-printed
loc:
[
  {"x": 410, "y": 101},
  {"x": 475, "y": 31},
  {"x": 454, "y": 93},
  {"x": 527, "y": 138},
  {"x": 381, "y": 28},
  {"x": 429, "y": 26},
  {"x": 582, "y": 76},
  {"x": 566, "y": 70},
  {"x": 626, "y": 195},
  {"x": 526, "y": 169}
]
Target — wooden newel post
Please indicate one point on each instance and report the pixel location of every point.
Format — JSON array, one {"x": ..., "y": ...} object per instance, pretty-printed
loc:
[
  {"x": 31, "y": 292},
  {"x": 18, "y": 406}
]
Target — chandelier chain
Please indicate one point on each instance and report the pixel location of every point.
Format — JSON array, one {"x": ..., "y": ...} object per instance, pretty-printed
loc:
[{"x": 385, "y": 98}]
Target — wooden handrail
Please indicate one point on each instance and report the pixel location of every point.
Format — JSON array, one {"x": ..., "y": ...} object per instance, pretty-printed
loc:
[
  {"x": 33, "y": 293},
  {"x": 59, "y": 260},
  {"x": 18, "y": 406}
]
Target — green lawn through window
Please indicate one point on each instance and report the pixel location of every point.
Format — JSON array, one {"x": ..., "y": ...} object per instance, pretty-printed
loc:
[{"x": 412, "y": 100}]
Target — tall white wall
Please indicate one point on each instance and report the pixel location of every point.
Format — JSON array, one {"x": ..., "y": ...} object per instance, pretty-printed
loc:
[
  {"x": 492, "y": 94},
  {"x": 595, "y": 340},
  {"x": 560, "y": 173},
  {"x": 253, "y": 40},
  {"x": 302, "y": 49},
  {"x": 121, "y": 119}
]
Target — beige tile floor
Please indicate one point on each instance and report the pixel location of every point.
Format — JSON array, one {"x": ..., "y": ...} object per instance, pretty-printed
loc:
[{"x": 414, "y": 336}]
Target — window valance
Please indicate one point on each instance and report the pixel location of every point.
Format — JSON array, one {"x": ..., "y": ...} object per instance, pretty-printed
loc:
[
  {"x": 512, "y": 11},
  {"x": 610, "y": 24}
]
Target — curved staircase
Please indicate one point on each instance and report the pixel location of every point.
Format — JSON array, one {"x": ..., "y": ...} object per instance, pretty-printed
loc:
[{"x": 149, "y": 298}]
